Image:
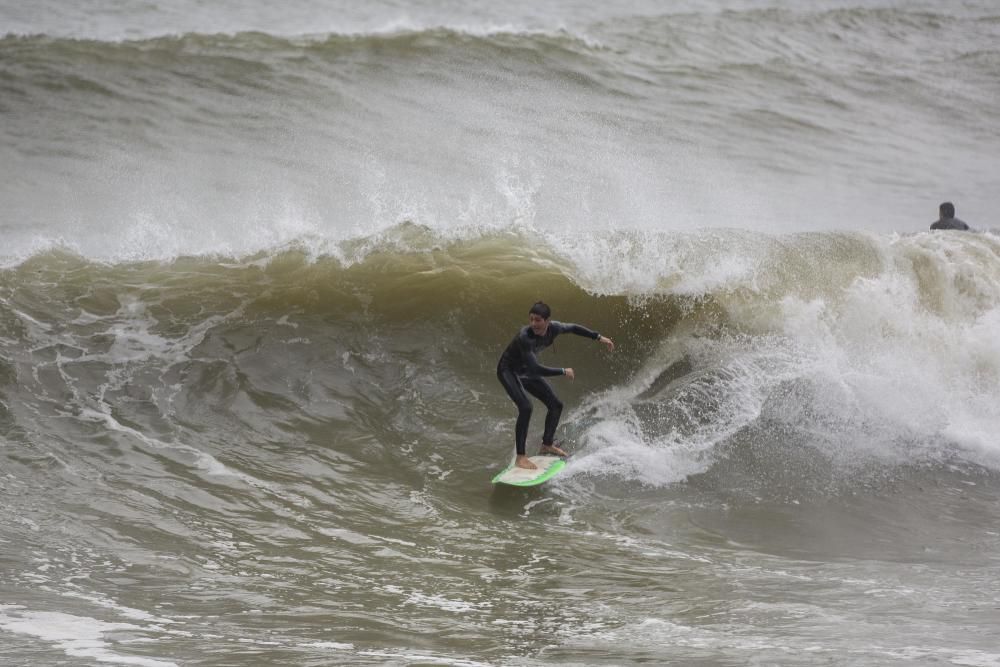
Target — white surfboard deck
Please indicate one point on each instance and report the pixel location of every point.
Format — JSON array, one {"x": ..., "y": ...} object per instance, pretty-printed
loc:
[{"x": 548, "y": 467}]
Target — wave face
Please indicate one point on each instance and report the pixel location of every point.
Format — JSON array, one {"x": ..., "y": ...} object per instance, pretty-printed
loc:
[
  {"x": 259, "y": 263},
  {"x": 811, "y": 338}
]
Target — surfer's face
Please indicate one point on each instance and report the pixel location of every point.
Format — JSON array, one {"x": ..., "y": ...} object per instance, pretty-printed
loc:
[{"x": 538, "y": 324}]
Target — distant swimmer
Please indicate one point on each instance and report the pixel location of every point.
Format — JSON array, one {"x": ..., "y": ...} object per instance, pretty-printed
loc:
[
  {"x": 948, "y": 219},
  {"x": 520, "y": 374}
]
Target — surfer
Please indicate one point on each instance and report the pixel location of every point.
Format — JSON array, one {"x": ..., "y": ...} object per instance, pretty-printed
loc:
[
  {"x": 947, "y": 219},
  {"x": 520, "y": 374}
]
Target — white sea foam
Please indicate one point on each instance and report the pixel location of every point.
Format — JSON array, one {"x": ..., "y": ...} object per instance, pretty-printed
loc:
[
  {"x": 899, "y": 362},
  {"x": 333, "y": 646},
  {"x": 76, "y": 636}
]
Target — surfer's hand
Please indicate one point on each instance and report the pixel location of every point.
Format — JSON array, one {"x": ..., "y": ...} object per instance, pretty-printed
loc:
[
  {"x": 568, "y": 372},
  {"x": 607, "y": 342}
]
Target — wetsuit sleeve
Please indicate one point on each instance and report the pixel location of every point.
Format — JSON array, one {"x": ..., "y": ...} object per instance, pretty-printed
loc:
[
  {"x": 535, "y": 368},
  {"x": 530, "y": 360},
  {"x": 578, "y": 329}
]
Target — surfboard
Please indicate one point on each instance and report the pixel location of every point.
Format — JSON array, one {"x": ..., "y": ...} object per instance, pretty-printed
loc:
[{"x": 548, "y": 467}]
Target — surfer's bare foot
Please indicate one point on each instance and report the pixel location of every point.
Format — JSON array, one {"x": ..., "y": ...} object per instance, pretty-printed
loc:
[
  {"x": 552, "y": 450},
  {"x": 524, "y": 462}
]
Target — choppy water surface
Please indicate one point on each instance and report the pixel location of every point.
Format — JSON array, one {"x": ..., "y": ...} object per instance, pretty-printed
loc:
[{"x": 258, "y": 267}]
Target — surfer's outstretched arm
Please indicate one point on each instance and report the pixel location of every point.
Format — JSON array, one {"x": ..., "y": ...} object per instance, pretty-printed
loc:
[{"x": 581, "y": 330}]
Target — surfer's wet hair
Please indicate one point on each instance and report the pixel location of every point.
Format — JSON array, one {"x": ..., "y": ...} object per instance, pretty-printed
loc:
[
  {"x": 541, "y": 309},
  {"x": 947, "y": 210}
]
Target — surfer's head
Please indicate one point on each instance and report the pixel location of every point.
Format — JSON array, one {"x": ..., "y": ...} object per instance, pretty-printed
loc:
[
  {"x": 538, "y": 318},
  {"x": 947, "y": 210}
]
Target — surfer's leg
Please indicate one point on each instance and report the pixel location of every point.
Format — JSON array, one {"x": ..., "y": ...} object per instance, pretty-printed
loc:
[
  {"x": 542, "y": 390},
  {"x": 512, "y": 385}
]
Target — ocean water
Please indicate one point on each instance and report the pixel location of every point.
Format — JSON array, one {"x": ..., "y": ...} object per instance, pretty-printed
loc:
[{"x": 259, "y": 262}]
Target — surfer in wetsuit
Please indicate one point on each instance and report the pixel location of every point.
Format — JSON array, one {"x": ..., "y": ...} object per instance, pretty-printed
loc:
[
  {"x": 520, "y": 374},
  {"x": 947, "y": 219}
]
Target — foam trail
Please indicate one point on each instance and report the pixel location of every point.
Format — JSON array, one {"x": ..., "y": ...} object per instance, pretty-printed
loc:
[{"x": 76, "y": 636}]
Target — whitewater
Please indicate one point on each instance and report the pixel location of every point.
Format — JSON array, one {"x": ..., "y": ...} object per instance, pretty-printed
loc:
[{"x": 259, "y": 263}]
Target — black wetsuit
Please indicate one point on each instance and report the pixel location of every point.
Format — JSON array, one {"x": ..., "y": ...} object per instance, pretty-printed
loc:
[
  {"x": 520, "y": 372},
  {"x": 950, "y": 223}
]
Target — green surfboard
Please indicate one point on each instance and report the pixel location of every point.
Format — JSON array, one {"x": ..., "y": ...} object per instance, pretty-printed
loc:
[{"x": 548, "y": 467}]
